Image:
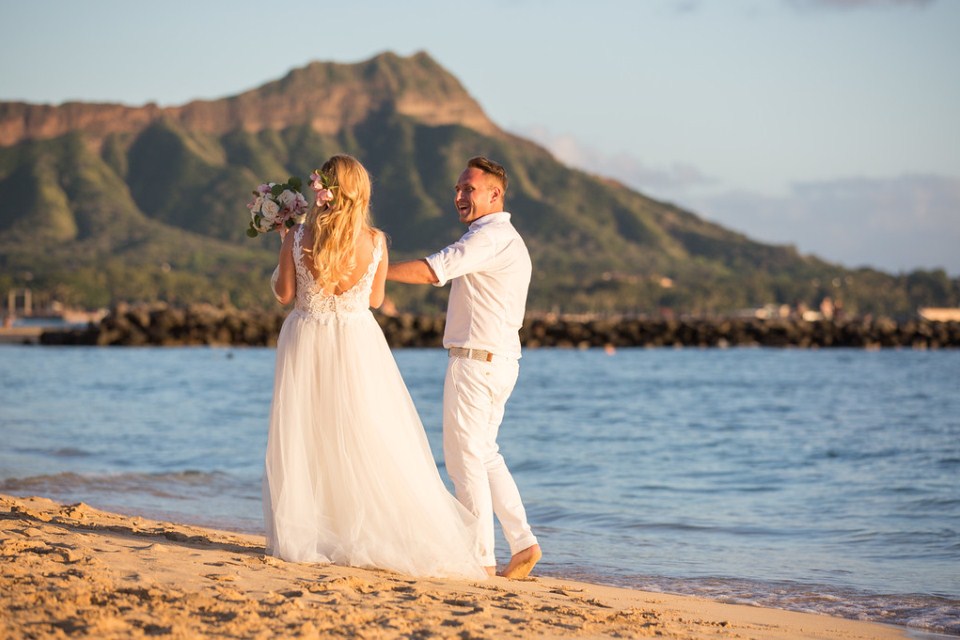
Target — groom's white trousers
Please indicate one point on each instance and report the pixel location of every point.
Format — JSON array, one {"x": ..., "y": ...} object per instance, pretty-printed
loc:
[{"x": 474, "y": 396}]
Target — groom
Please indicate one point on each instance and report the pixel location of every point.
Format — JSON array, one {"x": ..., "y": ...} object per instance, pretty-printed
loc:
[{"x": 489, "y": 268}]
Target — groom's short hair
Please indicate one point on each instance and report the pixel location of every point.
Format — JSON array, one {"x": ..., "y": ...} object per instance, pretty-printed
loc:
[{"x": 490, "y": 167}]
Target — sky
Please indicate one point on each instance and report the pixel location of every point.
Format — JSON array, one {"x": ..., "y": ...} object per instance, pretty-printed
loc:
[{"x": 830, "y": 125}]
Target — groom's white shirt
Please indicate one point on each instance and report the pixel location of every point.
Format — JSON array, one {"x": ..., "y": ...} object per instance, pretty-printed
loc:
[
  {"x": 490, "y": 269},
  {"x": 490, "y": 272}
]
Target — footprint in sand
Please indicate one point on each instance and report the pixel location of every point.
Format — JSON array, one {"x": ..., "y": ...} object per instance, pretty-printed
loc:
[
  {"x": 77, "y": 511},
  {"x": 223, "y": 563},
  {"x": 32, "y": 547},
  {"x": 354, "y": 584},
  {"x": 177, "y": 536},
  {"x": 593, "y": 602},
  {"x": 72, "y": 556},
  {"x": 255, "y": 563},
  {"x": 409, "y": 594},
  {"x": 13, "y": 548},
  {"x": 473, "y": 605},
  {"x": 220, "y": 577},
  {"x": 231, "y": 595},
  {"x": 30, "y": 514},
  {"x": 511, "y": 602},
  {"x": 267, "y": 560},
  {"x": 404, "y": 589},
  {"x": 489, "y": 587}
]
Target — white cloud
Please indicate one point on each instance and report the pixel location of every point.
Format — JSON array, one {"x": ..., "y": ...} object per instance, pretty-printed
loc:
[
  {"x": 625, "y": 167},
  {"x": 893, "y": 224},
  {"x": 858, "y": 4},
  {"x": 692, "y": 6}
]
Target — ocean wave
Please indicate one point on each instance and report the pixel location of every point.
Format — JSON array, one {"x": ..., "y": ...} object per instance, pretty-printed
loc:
[
  {"x": 928, "y": 612},
  {"x": 58, "y": 452},
  {"x": 70, "y": 452},
  {"x": 170, "y": 485}
]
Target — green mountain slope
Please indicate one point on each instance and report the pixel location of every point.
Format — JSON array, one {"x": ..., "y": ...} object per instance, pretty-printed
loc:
[{"x": 100, "y": 203}]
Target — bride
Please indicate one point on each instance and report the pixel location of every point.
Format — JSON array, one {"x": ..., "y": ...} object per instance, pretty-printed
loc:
[{"x": 349, "y": 476}]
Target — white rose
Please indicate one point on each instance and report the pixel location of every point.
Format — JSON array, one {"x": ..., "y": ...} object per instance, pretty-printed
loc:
[
  {"x": 287, "y": 198},
  {"x": 269, "y": 210}
]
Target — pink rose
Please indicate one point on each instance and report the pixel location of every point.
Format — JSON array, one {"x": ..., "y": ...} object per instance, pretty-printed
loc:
[
  {"x": 288, "y": 198},
  {"x": 324, "y": 196}
]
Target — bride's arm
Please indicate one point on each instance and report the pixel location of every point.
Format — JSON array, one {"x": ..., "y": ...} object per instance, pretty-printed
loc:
[
  {"x": 285, "y": 284},
  {"x": 380, "y": 279}
]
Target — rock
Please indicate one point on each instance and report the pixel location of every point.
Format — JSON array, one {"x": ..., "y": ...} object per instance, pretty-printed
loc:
[{"x": 205, "y": 324}]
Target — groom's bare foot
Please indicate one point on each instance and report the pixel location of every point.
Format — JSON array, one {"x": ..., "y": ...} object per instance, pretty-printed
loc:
[
  {"x": 522, "y": 563},
  {"x": 491, "y": 571}
]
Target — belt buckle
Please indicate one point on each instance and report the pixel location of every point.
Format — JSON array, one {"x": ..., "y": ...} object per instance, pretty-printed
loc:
[{"x": 480, "y": 354}]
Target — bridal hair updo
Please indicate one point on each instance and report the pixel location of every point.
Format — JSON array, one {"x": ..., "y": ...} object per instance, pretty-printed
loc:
[{"x": 337, "y": 224}]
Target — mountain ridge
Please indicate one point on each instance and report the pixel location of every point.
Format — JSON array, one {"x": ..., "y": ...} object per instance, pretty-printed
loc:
[
  {"x": 328, "y": 96},
  {"x": 106, "y": 203}
]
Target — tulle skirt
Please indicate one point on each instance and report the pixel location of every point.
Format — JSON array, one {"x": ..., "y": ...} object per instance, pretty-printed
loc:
[{"x": 349, "y": 476}]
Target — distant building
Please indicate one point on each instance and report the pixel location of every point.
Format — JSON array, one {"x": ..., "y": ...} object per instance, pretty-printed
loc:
[{"x": 939, "y": 314}]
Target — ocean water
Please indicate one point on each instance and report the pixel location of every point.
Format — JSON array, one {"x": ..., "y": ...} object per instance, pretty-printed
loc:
[{"x": 824, "y": 481}]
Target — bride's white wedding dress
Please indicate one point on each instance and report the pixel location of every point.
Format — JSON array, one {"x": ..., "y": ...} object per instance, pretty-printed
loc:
[{"x": 349, "y": 476}]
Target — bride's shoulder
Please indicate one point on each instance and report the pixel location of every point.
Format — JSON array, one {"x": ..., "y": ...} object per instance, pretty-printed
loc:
[
  {"x": 302, "y": 230},
  {"x": 378, "y": 237}
]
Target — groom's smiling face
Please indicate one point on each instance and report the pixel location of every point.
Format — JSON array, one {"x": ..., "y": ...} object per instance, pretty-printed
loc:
[{"x": 477, "y": 195}]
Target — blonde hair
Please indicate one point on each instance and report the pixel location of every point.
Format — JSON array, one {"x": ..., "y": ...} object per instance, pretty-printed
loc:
[{"x": 337, "y": 225}]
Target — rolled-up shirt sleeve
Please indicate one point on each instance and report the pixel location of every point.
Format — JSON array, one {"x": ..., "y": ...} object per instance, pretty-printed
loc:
[{"x": 468, "y": 254}]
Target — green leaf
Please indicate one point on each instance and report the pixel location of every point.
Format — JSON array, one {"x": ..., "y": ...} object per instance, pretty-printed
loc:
[
  {"x": 252, "y": 233},
  {"x": 277, "y": 189},
  {"x": 295, "y": 182}
]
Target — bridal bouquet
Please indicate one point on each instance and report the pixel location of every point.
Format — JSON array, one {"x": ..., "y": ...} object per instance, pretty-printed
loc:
[{"x": 276, "y": 205}]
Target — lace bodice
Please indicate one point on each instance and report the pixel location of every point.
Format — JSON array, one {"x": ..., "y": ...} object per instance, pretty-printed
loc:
[{"x": 310, "y": 296}]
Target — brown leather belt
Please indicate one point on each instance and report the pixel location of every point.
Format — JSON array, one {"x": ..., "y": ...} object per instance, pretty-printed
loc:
[{"x": 472, "y": 354}]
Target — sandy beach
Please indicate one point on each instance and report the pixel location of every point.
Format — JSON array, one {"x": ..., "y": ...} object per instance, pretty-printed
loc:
[{"x": 75, "y": 571}]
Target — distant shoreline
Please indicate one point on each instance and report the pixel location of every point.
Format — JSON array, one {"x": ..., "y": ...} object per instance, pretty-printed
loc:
[{"x": 203, "y": 324}]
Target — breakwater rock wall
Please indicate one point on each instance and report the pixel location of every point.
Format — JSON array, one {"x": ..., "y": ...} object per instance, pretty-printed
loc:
[
  {"x": 202, "y": 324},
  {"x": 731, "y": 332}
]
